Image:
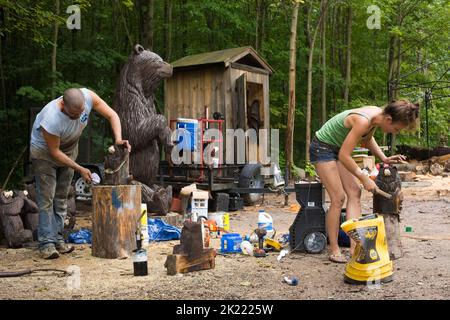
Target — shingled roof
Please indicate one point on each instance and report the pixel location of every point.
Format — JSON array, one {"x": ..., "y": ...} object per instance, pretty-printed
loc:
[{"x": 244, "y": 55}]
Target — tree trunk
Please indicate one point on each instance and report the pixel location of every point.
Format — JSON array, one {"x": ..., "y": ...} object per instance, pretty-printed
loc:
[
  {"x": 184, "y": 26},
  {"x": 55, "y": 47},
  {"x": 260, "y": 23},
  {"x": 147, "y": 10},
  {"x": 309, "y": 79},
  {"x": 324, "y": 67},
  {"x": 168, "y": 29},
  {"x": 349, "y": 56},
  {"x": 291, "y": 109},
  {"x": 333, "y": 54},
  {"x": 115, "y": 220}
]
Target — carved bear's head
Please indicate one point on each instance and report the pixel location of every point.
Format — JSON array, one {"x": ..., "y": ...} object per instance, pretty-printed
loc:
[{"x": 151, "y": 68}]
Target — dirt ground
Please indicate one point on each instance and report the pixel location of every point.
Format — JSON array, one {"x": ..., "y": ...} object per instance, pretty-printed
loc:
[{"x": 423, "y": 272}]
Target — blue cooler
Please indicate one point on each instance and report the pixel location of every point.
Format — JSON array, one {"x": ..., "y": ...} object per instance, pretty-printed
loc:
[
  {"x": 230, "y": 243},
  {"x": 191, "y": 127}
]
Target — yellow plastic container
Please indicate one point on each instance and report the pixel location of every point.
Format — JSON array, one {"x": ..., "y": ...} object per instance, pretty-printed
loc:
[
  {"x": 144, "y": 224},
  {"x": 226, "y": 222}
]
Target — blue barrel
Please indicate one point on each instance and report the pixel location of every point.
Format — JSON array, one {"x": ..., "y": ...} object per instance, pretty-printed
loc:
[
  {"x": 230, "y": 243},
  {"x": 191, "y": 127}
]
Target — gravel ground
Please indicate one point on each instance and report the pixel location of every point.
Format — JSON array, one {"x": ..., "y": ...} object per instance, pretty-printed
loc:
[{"x": 423, "y": 272}]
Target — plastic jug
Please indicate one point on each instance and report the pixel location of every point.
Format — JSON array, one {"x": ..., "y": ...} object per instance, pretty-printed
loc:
[{"x": 265, "y": 221}]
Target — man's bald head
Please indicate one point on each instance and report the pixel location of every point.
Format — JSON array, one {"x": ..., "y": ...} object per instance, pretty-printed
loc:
[{"x": 73, "y": 98}]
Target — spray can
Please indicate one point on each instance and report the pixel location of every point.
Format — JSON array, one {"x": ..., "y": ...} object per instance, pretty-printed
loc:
[
  {"x": 140, "y": 267},
  {"x": 292, "y": 281}
]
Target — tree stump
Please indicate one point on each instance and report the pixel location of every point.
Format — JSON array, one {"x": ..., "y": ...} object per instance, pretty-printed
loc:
[{"x": 116, "y": 217}]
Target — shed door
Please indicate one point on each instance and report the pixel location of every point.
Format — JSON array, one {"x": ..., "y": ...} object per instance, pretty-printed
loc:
[{"x": 240, "y": 111}]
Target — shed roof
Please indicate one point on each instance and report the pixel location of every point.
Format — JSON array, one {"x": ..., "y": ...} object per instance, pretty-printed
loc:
[{"x": 248, "y": 55}]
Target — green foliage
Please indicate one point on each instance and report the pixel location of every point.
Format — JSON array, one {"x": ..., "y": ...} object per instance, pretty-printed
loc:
[
  {"x": 93, "y": 56},
  {"x": 310, "y": 170}
]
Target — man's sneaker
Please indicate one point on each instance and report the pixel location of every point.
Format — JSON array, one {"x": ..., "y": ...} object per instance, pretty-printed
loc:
[
  {"x": 49, "y": 252},
  {"x": 64, "y": 248}
]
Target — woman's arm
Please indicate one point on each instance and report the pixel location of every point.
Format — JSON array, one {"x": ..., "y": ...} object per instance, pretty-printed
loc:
[
  {"x": 358, "y": 128},
  {"x": 375, "y": 149},
  {"x": 372, "y": 145}
]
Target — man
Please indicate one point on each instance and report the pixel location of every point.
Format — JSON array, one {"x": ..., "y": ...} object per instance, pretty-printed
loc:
[{"x": 54, "y": 149}]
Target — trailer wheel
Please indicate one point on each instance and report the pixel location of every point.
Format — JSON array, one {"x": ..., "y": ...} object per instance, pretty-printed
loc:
[
  {"x": 82, "y": 189},
  {"x": 250, "y": 177}
]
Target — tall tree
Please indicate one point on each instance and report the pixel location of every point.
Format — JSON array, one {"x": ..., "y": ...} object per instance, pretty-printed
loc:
[
  {"x": 261, "y": 8},
  {"x": 168, "y": 29},
  {"x": 324, "y": 66},
  {"x": 147, "y": 12},
  {"x": 348, "y": 60},
  {"x": 55, "y": 47},
  {"x": 289, "y": 146},
  {"x": 311, "y": 37}
]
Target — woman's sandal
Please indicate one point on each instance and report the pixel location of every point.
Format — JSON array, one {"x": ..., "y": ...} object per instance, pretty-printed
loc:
[{"x": 338, "y": 258}]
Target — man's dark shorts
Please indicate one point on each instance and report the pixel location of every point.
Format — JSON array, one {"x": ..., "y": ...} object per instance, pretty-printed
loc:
[{"x": 322, "y": 152}]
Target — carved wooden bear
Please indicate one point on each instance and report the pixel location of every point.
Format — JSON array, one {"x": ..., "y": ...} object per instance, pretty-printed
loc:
[{"x": 141, "y": 125}]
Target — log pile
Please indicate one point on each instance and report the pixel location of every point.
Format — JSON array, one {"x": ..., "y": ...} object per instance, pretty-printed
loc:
[{"x": 437, "y": 166}]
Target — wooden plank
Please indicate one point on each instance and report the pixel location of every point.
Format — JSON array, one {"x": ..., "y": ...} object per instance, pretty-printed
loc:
[
  {"x": 241, "y": 101},
  {"x": 208, "y": 91},
  {"x": 116, "y": 213},
  {"x": 266, "y": 102},
  {"x": 248, "y": 68}
]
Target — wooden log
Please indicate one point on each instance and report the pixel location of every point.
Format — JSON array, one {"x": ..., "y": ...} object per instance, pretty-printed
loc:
[
  {"x": 392, "y": 227},
  {"x": 191, "y": 254},
  {"x": 179, "y": 263},
  {"x": 116, "y": 215},
  {"x": 117, "y": 166},
  {"x": 407, "y": 176}
]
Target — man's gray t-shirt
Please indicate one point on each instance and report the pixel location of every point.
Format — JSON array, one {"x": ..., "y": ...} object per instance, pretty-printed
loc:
[{"x": 57, "y": 123}]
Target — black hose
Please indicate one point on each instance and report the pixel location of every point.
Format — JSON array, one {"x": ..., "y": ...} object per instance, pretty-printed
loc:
[{"x": 11, "y": 274}]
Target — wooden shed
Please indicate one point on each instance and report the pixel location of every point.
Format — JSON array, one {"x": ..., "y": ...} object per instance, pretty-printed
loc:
[{"x": 233, "y": 82}]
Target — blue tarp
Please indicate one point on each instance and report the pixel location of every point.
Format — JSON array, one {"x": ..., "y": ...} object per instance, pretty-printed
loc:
[
  {"x": 80, "y": 237},
  {"x": 158, "y": 230}
]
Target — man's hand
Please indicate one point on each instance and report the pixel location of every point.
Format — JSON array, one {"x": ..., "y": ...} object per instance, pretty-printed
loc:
[
  {"x": 395, "y": 159},
  {"x": 124, "y": 143},
  {"x": 86, "y": 174}
]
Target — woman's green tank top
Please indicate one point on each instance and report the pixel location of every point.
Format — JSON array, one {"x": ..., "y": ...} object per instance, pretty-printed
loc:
[{"x": 334, "y": 132}]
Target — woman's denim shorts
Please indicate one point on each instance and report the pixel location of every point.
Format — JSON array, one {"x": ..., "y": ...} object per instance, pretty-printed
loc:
[{"x": 322, "y": 152}]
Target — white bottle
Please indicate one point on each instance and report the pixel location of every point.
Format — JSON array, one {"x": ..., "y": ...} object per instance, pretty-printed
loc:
[{"x": 265, "y": 221}]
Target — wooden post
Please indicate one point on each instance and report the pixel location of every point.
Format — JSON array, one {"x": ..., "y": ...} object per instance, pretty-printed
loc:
[{"x": 117, "y": 210}]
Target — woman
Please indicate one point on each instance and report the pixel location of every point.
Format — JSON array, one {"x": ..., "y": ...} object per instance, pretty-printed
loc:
[{"x": 331, "y": 153}]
